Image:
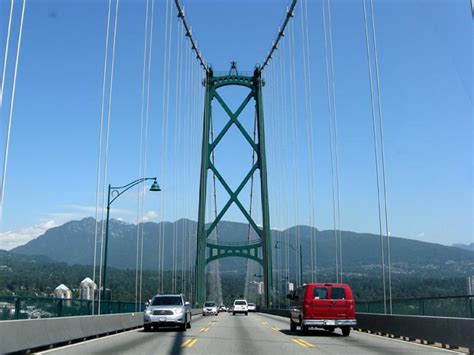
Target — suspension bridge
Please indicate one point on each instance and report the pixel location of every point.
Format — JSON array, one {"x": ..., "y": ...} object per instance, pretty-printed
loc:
[{"x": 221, "y": 144}]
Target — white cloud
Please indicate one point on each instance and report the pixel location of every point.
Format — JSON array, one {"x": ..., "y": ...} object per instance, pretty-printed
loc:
[
  {"x": 150, "y": 216},
  {"x": 14, "y": 238},
  {"x": 421, "y": 235}
]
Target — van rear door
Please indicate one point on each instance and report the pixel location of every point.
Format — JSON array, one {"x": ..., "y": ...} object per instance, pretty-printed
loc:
[
  {"x": 317, "y": 303},
  {"x": 342, "y": 304}
]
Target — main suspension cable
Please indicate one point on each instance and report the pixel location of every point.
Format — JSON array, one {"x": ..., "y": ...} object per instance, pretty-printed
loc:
[{"x": 281, "y": 33}]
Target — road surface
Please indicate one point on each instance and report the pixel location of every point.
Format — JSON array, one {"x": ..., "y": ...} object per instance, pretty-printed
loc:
[{"x": 253, "y": 334}]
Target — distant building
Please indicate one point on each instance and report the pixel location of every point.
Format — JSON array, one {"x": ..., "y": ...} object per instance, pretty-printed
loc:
[
  {"x": 62, "y": 291},
  {"x": 470, "y": 285},
  {"x": 291, "y": 286},
  {"x": 87, "y": 289}
]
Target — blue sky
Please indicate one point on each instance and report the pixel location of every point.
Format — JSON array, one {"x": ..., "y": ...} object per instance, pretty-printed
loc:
[{"x": 425, "y": 55}]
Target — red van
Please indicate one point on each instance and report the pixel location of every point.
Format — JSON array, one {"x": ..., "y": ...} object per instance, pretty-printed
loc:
[{"x": 322, "y": 305}]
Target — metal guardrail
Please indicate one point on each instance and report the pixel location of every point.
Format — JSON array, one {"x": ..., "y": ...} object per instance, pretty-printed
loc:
[
  {"x": 19, "y": 307},
  {"x": 445, "y": 306}
]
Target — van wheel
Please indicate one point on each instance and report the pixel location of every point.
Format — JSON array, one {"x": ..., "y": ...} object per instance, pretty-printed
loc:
[
  {"x": 304, "y": 328},
  {"x": 233, "y": 313},
  {"x": 183, "y": 327},
  {"x": 246, "y": 313},
  {"x": 346, "y": 331},
  {"x": 147, "y": 327},
  {"x": 292, "y": 326},
  {"x": 331, "y": 329},
  {"x": 188, "y": 325}
]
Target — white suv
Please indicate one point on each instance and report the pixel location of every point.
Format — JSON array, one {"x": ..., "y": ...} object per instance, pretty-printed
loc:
[{"x": 240, "y": 306}]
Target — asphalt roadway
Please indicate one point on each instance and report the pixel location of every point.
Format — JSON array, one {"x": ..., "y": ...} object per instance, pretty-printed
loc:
[{"x": 253, "y": 334}]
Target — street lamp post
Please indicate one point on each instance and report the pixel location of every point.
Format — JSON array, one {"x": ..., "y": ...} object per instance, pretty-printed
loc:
[{"x": 114, "y": 193}]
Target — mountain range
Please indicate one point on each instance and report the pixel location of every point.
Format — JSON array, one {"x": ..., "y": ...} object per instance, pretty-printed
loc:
[{"x": 73, "y": 243}]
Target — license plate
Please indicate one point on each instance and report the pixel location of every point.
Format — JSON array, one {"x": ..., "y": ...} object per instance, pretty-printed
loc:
[
  {"x": 330, "y": 322},
  {"x": 162, "y": 319}
]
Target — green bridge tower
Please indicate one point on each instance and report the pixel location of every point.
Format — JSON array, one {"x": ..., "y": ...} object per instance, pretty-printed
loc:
[{"x": 208, "y": 251}]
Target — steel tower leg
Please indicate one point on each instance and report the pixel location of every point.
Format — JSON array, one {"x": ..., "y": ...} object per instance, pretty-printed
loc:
[{"x": 216, "y": 251}]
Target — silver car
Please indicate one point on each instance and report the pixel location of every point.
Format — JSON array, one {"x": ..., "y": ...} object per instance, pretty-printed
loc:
[
  {"x": 210, "y": 308},
  {"x": 167, "y": 311}
]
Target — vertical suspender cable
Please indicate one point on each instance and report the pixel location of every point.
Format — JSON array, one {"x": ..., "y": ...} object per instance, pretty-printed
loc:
[
  {"x": 99, "y": 157},
  {"x": 294, "y": 124},
  {"x": 10, "y": 115},
  {"x": 106, "y": 157},
  {"x": 331, "y": 129},
  {"x": 164, "y": 130},
  {"x": 140, "y": 165},
  {"x": 309, "y": 131},
  {"x": 336, "y": 150},
  {"x": 382, "y": 148},
  {"x": 5, "y": 60},
  {"x": 177, "y": 118},
  {"x": 145, "y": 148},
  {"x": 374, "y": 132}
]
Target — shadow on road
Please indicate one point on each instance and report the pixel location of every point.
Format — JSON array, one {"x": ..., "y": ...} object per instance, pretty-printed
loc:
[
  {"x": 310, "y": 333},
  {"x": 178, "y": 339}
]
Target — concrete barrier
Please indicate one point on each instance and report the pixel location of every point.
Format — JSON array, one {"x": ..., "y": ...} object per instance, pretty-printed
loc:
[
  {"x": 455, "y": 332},
  {"x": 22, "y": 335}
]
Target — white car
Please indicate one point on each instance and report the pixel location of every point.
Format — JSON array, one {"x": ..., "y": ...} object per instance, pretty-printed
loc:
[
  {"x": 252, "y": 307},
  {"x": 210, "y": 308},
  {"x": 240, "y": 306}
]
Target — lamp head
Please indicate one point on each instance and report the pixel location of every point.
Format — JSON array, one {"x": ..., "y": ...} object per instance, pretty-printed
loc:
[{"x": 155, "y": 187}]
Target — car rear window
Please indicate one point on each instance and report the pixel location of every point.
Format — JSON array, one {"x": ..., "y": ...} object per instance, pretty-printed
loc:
[
  {"x": 240, "y": 303},
  {"x": 167, "y": 301},
  {"x": 209, "y": 304},
  {"x": 338, "y": 293},
  {"x": 320, "y": 293}
]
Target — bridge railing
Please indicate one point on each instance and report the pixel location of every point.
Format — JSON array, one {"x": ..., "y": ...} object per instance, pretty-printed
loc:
[
  {"x": 19, "y": 307},
  {"x": 446, "y": 306}
]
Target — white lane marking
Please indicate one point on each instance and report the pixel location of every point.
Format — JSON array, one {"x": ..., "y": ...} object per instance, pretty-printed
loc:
[
  {"x": 86, "y": 341},
  {"x": 410, "y": 343}
]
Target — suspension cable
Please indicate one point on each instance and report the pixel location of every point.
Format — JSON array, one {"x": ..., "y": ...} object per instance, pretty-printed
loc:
[
  {"x": 107, "y": 140},
  {"x": 10, "y": 115},
  {"x": 164, "y": 130},
  {"x": 140, "y": 168},
  {"x": 281, "y": 33},
  {"x": 374, "y": 132},
  {"x": 333, "y": 141},
  {"x": 145, "y": 150},
  {"x": 382, "y": 150},
  {"x": 5, "y": 60},
  {"x": 189, "y": 34},
  {"x": 99, "y": 157},
  {"x": 336, "y": 150}
]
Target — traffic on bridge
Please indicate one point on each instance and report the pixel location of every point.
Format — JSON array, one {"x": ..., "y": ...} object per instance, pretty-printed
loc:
[
  {"x": 256, "y": 334},
  {"x": 236, "y": 177}
]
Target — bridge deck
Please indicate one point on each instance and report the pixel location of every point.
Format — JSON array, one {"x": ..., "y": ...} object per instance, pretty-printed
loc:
[{"x": 254, "y": 334}]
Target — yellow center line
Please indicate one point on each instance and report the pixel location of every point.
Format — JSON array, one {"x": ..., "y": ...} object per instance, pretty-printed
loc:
[
  {"x": 189, "y": 343},
  {"x": 186, "y": 342},
  {"x": 275, "y": 329},
  {"x": 264, "y": 323},
  {"x": 204, "y": 330},
  {"x": 307, "y": 343},
  {"x": 296, "y": 341}
]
